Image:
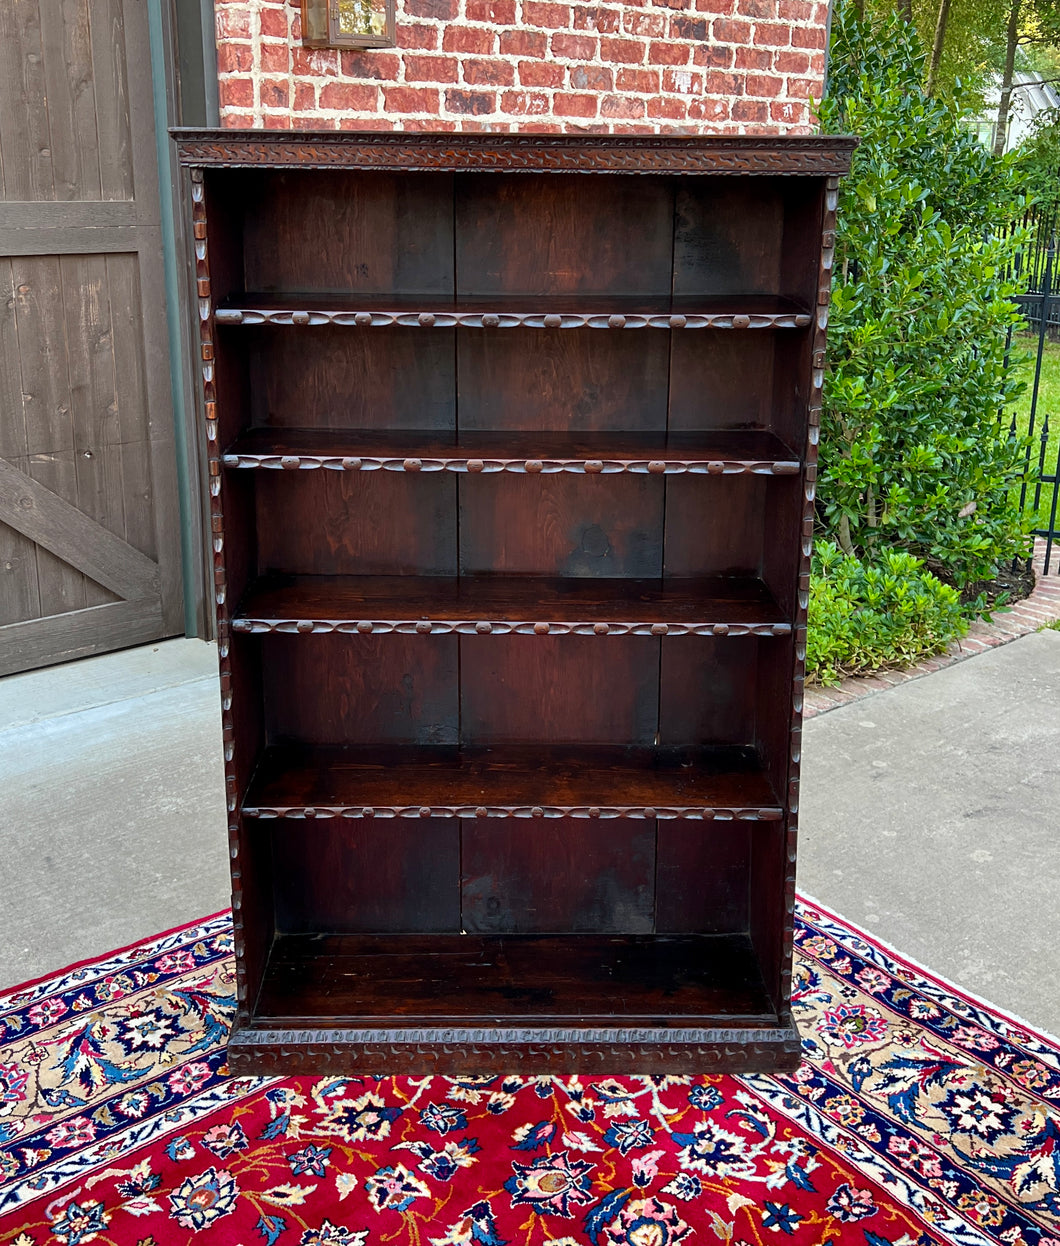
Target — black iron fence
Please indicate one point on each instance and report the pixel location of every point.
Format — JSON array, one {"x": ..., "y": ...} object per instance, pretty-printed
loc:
[{"x": 1040, "y": 306}]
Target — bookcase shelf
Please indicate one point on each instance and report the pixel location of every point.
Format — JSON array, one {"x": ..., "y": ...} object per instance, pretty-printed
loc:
[
  {"x": 512, "y": 613},
  {"x": 513, "y": 781},
  {"x": 494, "y": 604}
]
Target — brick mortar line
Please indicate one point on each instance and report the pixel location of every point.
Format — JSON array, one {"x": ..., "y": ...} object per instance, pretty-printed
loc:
[{"x": 1024, "y": 617}]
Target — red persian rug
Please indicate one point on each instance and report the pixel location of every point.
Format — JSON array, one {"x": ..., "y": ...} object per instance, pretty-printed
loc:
[{"x": 920, "y": 1116}]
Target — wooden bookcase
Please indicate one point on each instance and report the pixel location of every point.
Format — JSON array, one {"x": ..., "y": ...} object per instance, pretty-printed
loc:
[{"x": 512, "y": 448}]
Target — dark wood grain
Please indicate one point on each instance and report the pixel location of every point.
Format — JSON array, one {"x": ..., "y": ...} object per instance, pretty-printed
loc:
[
  {"x": 552, "y": 379},
  {"x": 713, "y": 452},
  {"x": 543, "y": 235},
  {"x": 573, "y": 525},
  {"x": 520, "y": 781},
  {"x": 559, "y": 688},
  {"x": 363, "y": 878},
  {"x": 718, "y": 859},
  {"x": 724, "y": 381},
  {"x": 728, "y": 237},
  {"x": 349, "y": 232},
  {"x": 330, "y": 379},
  {"x": 402, "y": 689},
  {"x": 329, "y": 523},
  {"x": 489, "y": 604},
  {"x": 596, "y": 877}
]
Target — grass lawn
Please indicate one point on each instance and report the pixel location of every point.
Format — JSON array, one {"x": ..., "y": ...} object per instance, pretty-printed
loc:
[{"x": 1048, "y": 403}]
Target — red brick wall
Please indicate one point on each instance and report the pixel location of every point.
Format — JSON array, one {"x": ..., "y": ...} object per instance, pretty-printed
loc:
[{"x": 701, "y": 66}]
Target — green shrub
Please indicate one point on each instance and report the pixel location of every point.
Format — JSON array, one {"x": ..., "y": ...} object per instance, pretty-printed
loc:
[
  {"x": 912, "y": 454},
  {"x": 865, "y": 616}
]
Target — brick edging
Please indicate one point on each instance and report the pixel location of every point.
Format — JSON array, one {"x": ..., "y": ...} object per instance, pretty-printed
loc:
[{"x": 1033, "y": 612}]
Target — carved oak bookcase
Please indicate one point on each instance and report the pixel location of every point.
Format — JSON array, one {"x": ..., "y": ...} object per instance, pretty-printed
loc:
[{"x": 512, "y": 448}]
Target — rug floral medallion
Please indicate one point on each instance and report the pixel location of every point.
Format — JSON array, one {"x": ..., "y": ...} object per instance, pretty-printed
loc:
[{"x": 918, "y": 1117}]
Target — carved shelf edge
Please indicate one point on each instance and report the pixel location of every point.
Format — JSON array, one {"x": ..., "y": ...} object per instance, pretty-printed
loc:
[
  {"x": 705, "y": 813},
  {"x": 260, "y": 1049},
  {"x": 660, "y": 153},
  {"x": 461, "y": 463},
  {"x": 508, "y": 320},
  {"x": 503, "y": 627}
]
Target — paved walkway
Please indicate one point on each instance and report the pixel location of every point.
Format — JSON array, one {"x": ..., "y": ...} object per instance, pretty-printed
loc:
[{"x": 929, "y": 812}]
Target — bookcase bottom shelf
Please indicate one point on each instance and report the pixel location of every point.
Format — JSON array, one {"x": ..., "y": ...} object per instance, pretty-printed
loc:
[{"x": 473, "y": 1004}]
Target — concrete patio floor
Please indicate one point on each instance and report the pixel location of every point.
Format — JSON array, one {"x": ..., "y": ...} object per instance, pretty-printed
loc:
[{"x": 929, "y": 813}]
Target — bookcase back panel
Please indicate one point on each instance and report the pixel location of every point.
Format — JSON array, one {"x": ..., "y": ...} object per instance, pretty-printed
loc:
[
  {"x": 701, "y": 877},
  {"x": 707, "y": 690},
  {"x": 727, "y": 238},
  {"x": 563, "y": 234},
  {"x": 337, "y": 377},
  {"x": 336, "y": 877},
  {"x": 562, "y": 525},
  {"x": 559, "y": 688},
  {"x": 356, "y": 523},
  {"x": 558, "y": 876},
  {"x": 716, "y": 527},
  {"x": 561, "y": 379},
  {"x": 721, "y": 380},
  {"x": 349, "y": 232},
  {"x": 332, "y": 689}
]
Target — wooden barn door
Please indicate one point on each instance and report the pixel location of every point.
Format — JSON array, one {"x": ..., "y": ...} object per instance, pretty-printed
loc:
[{"x": 89, "y": 527}]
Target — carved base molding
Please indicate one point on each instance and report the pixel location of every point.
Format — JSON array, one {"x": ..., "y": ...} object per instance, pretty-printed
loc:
[{"x": 468, "y": 1049}]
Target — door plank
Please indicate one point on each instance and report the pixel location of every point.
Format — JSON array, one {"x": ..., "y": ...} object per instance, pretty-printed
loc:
[
  {"x": 62, "y": 586},
  {"x": 13, "y": 443},
  {"x": 69, "y": 533},
  {"x": 110, "y": 79},
  {"x": 67, "y": 43},
  {"x": 25, "y": 144},
  {"x": 94, "y": 407},
  {"x": 19, "y": 593},
  {"x": 38, "y": 311},
  {"x": 62, "y": 637},
  {"x": 42, "y": 349}
]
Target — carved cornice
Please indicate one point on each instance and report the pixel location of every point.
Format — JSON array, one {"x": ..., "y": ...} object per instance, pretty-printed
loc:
[{"x": 656, "y": 153}]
